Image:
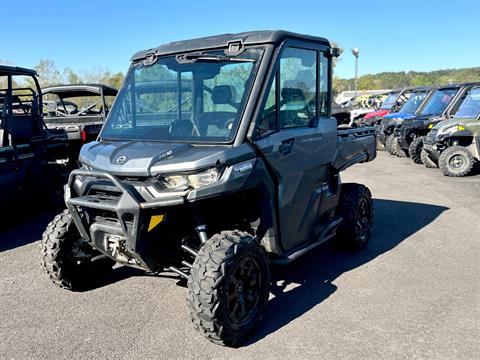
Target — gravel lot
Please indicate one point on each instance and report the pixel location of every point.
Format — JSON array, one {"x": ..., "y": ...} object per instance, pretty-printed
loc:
[{"x": 414, "y": 292}]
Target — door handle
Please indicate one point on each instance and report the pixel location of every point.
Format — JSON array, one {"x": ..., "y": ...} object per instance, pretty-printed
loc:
[{"x": 286, "y": 146}]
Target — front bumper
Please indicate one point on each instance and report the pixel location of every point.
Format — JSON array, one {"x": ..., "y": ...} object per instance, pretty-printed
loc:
[
  {"x": 404, "y": 136},
  {"x": 431, "y": 146},
  {"x": 117, "y": 216}
]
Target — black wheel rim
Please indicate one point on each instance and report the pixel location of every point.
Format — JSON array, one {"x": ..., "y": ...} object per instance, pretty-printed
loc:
[
  {"x": 243, "y": 291},
  {"x": 363, "y": 218},
  {"x": 457, "y": 161}
]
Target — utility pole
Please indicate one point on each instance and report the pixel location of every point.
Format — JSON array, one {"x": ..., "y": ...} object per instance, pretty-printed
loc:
[{"x": 355, "y": 53}]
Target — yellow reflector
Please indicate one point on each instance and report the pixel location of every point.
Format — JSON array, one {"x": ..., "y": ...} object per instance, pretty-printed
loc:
[
  {"x": 430, "y": 126},
  {"x": 461, "y": 128},
  {"x": 154, "y": 221}
]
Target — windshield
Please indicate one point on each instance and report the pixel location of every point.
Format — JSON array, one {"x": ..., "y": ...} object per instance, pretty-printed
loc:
[
  {"x": 414, "y": 101},
  {"x": 390, "y": 101},
  {"x": 470, "y": 107},
  {"x": 194, "y": 98},
  {"x": 439, "y": 101}
]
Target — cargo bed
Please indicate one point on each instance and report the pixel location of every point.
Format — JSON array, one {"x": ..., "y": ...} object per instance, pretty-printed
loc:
[{"x": 355, "y": 145}]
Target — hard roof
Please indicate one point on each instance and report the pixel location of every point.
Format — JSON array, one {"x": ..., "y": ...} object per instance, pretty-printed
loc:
[
  {"x": 78, "y": 90},
  {"x": 15, "y": 70},
  {"x": 219, "y": 41},
  {"x": 418, "y": 88},
  {"x": 458, "y": 85}
]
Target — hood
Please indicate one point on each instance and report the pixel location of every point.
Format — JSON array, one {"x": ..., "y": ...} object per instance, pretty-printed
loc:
[
  {"x": 453, "y": 121},
  {"x": 142, "y": 158},
  {"x": 399, "y": 115},
  {"x": 422, "y": 120},
  {"x": 381, "y": 112}
]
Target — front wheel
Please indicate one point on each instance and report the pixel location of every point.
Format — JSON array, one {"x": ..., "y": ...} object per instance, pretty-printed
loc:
[
  {"x": 427, "y": 160},
  {"x": 397, "y": 149},
  {"x": 69, "y": 261},
  {"x": 380, "y": 145},
  {"x": 456, "y": 161},
  {"x": 356, "y": 209},
  {"x": 415, "y": 149},
  {"x": 390, "y": 144},
  {"x": 228, "y": 287}
]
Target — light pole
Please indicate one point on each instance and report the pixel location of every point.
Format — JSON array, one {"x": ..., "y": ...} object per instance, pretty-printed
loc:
[{"x": 355, "y": 53}]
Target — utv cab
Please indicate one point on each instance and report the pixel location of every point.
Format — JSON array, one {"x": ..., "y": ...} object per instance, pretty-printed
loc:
[
  {"x": 417, "y": 97},
  {"x": 219, "y": 158},
  {"x": 454, "y": 144},
  {"x": 442, "y": 105},
  {"x": 79, "y": 110}
]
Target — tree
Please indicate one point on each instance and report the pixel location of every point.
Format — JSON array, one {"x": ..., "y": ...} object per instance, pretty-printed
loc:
[{"x": 48, "y": 73}]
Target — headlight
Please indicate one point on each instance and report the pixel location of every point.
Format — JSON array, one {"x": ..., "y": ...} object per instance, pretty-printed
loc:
[
  {"x": 453, "y": 128},
  {"x": 195, "y": 181}
]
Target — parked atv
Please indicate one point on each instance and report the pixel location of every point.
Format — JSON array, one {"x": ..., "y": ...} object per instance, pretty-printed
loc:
[
  {"x": 385, "y": 127},
  {"x": 455, "y": 144},
  {"x": 393, "y": 102},
  {"x": 442, "y": 105},
  {"x": 27, "y": 149},
  {"x": 216, "y": 181}
]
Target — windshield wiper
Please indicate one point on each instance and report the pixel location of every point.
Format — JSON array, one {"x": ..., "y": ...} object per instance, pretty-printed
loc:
[{"x": 193, "y": 57}]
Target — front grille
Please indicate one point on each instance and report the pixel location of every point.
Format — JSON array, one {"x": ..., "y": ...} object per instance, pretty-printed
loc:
[{"x": 431, "y": 136}]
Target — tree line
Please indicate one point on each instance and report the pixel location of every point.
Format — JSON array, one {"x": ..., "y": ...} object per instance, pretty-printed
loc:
[
  {"x": 50, "y": 74},
  {"x": 393, "y": 80}
]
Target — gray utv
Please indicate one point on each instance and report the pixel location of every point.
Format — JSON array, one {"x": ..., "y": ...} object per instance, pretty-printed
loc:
[{"x": 218, "y": 159}]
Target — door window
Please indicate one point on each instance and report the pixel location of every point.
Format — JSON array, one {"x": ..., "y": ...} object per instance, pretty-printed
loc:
[
  {"x": 297, "y": 87},
  {"x": 301, "y": 97},
  {"x": 323, "y": 106}
]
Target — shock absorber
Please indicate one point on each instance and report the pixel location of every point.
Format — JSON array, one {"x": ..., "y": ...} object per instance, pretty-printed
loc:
[{"x": 202, "y": 233}]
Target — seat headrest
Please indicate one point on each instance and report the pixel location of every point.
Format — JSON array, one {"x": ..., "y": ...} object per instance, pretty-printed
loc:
[
  {"x": 306, "y": 79},
  {"x": 291, "y": 92},
  {"x": 224, "y": 94}
]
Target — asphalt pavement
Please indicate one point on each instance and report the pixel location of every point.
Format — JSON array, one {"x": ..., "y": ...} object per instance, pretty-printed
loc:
[{"x": 414, "y": 292}]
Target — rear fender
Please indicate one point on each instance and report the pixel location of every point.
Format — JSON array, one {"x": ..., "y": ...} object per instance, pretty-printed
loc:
[{"x": 355, "y": 146}]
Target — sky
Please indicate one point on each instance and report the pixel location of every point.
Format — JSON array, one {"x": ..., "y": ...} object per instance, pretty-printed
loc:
[{"x": 407, "y": 35}]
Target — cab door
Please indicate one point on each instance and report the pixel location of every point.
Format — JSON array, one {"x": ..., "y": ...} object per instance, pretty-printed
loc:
[{"x": 298, "y": 140}]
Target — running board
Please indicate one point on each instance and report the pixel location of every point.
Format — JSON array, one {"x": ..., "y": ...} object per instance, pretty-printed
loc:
[{"x": 327, "y": 233}]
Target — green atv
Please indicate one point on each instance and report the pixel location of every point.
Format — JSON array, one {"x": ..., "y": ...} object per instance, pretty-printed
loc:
[{"x": 455, "y": 144}]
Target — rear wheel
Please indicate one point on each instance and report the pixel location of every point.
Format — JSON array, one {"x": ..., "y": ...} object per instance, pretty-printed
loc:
[
  {"x": 356, "y": 209},
  {"x": 427, "y": 160},
  {"x": 228, "y": 287},
  {"x": 456, "y": 161},
  {"x": 67, "y": 259},
  {"x": 415, "y": 149}
]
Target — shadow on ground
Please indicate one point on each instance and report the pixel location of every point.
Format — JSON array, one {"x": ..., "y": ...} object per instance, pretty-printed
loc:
[
  {"x": 313, "y": 276},
  {"x": 23, "y": 226},
  {"x": 394, "y": 222}
]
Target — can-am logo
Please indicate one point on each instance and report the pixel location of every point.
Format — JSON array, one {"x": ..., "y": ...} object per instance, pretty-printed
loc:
[
  {"x": 243, "y": 167},
  {"x": 121, "y": 160}
]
